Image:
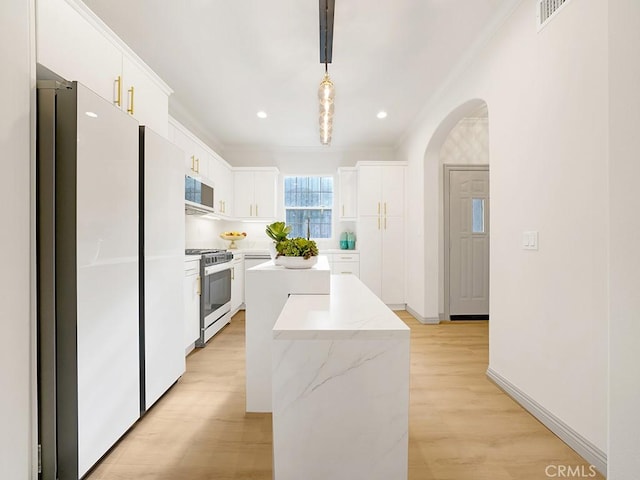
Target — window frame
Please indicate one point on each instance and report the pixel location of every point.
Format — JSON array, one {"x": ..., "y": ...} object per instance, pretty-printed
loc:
[{"x": 332, "y": 176}]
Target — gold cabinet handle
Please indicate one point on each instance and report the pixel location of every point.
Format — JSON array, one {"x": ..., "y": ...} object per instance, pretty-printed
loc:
[
  {"x": 233, "y": 273},
  {"x": 385, "y": 222},
  {"x": 131, "y": 95},
  {"x": 251, "y": 210},
  {"x": 378, "y": 208},
  {"x": 197, "y": 165},
  {"x": 343, "y": 209},
  {"x": 193, "y": 163},
  {"x": 118, "y": 101},
  {"x": 199, "y": 285},
  {"x": 385, "y": 208}
]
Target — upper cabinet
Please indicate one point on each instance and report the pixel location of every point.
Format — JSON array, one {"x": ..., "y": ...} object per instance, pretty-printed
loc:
[
  {"x": 348, "y": 184},
  {"x": 381, "y": 190},
  {"x": 75, "y": 44},
  {"x": 204, "y": 164},
  {"x": 223, "y": 184},
  {"x": 196, "y": 158},
  {"x": 143, "y": 98},
  {"x": 255, "y": 193}
]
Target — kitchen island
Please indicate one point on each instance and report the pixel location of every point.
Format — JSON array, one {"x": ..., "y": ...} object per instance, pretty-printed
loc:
[
  {"x": 340, "y": 387},
  {"x": 268, "y": 287}
]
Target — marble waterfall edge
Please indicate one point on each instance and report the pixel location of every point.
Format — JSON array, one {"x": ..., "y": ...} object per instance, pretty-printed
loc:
[{"x": 340, "y": 387}]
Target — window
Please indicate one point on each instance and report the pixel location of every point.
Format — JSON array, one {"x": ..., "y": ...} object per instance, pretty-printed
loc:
[
  {"x": 477, "y": 214},
  {"x": 308, "y": 202}
]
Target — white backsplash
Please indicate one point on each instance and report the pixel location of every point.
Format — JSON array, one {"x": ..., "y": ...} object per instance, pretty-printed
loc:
[{"x": 203, "y": 232}]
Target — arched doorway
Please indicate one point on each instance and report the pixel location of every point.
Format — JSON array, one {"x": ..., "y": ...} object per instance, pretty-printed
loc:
[{"x": 458, "y": 151}]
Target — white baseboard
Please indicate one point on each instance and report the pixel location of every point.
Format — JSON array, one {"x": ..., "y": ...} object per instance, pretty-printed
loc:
[
  {"x": 573, "y": 439},
  {"x": 397, "y": 306},
  {"x": 421, "y": 319}
]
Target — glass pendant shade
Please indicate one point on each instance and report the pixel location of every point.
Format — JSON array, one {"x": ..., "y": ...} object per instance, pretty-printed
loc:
[{"x": 326, "y": 95}]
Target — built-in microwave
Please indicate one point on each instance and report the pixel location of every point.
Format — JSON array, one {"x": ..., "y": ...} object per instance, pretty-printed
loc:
[{"x": 198, "y": 195}]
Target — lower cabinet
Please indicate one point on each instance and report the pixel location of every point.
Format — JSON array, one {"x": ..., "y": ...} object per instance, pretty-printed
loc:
[
  {"x": 191, "y": 303},
  {"x": 345, "y": 264},
  {"x": 237, "y": 283}
]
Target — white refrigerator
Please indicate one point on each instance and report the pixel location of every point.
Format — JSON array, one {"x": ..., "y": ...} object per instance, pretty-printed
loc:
[
  {"x": 162, "y": 230},
  {"x": 87, "y": 261}
]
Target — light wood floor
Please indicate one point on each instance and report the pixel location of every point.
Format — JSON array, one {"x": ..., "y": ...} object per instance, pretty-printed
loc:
[{"x": 462, "y": 427}]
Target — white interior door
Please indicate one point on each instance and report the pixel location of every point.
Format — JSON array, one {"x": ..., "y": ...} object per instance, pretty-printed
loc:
[{"x": 468, "y": 242}]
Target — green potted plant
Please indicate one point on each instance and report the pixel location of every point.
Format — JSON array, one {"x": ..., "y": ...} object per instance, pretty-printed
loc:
[
  {"x": 277, "y": 232},
  {"x": 297, "y": 252}
]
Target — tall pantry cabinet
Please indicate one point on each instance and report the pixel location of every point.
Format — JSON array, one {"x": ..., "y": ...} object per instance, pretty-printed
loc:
[{"x": 381, "y": 226}]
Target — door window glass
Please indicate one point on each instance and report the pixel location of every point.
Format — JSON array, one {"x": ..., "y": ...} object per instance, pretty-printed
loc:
[{"x": 477, "y": 215}]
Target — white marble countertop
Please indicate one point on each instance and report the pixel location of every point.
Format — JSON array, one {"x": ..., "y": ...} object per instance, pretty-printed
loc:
[{"x": 351, "y": 310}]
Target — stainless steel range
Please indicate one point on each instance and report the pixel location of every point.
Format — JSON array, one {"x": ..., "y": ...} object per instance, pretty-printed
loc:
[{"x": 215, "y": 298}]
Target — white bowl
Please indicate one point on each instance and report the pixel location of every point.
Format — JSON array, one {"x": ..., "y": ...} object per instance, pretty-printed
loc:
[{"x": 296, "y": 262}]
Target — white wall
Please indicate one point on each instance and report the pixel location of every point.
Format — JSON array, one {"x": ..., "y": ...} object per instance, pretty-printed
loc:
[
  {"x": 305, "y": 160},
  {"x": 16, "y": 351},
  {"x": 547, "y": 100},
  {"x": 624, "y": 269}
]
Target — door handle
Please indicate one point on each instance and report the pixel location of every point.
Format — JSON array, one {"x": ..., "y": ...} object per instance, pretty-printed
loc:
[
  {"x": 131, "y": 95},
  {"x": 118, "y": 101}
]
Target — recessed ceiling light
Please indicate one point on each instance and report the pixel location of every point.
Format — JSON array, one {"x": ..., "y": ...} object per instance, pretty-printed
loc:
[
  {"x": 381, "y": 114},
  {"x": 262, "y": 114},
  {"x": 91, "y": 114}
]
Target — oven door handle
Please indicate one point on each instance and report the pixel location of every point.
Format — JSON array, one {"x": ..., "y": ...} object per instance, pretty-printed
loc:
[{"x": 210, "y": 270}]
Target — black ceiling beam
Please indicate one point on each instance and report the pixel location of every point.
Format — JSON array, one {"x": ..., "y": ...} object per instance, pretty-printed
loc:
[{"x": 327, "y": 8}]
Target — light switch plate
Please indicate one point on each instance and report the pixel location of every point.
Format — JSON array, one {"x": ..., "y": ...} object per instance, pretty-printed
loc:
[{"x": 530, "y": 240}]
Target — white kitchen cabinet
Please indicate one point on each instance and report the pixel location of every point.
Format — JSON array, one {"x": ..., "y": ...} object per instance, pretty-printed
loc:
[
  {"x": 345, "y": 263},
  {"x": 142, "y": 98},
  {"x": 237, "y": 283},
  {"x": 381, "y": 229},
  {"x": 191, "y": 303},
  {"x": 255, "y": 193},
  {"x": 222, "y": 177},
  {"x": 196, "y": 158},
  {"x": 348, "y": 185},
  {"x": 75, "y": 44},
  {"x": 381, "y": 190}
]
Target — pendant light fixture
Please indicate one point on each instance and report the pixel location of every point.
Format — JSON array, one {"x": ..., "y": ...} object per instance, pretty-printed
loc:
[{"x": 326, "y": 91}]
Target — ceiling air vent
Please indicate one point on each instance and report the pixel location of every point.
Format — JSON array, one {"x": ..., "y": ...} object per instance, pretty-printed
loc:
[{"x": 547, "y": 9}]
